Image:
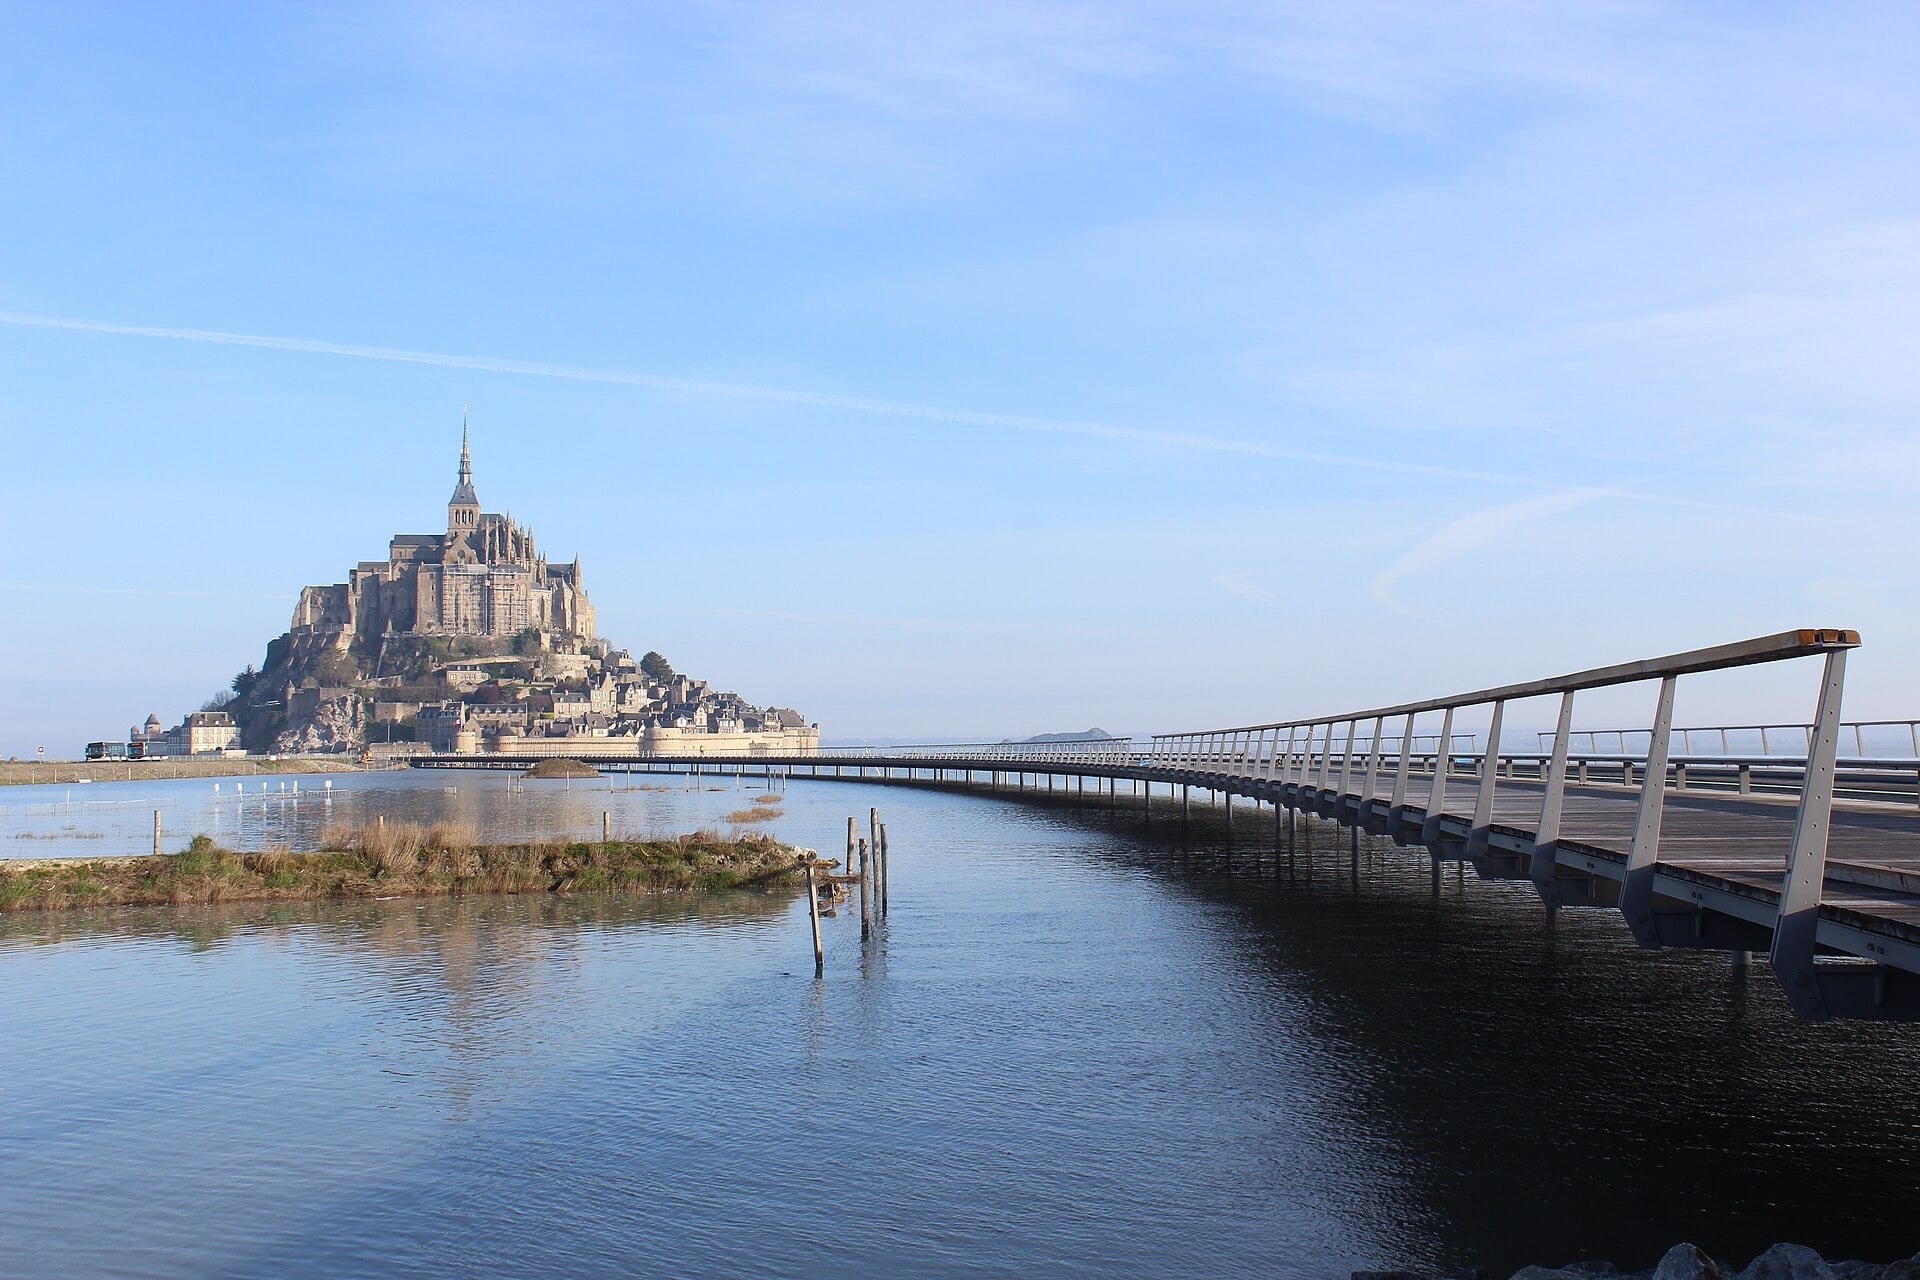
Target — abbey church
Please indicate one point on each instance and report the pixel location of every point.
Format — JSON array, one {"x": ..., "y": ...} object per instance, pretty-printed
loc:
[
  {"x": 470, "y": 640},
  {"x": 482, "y": 577}
]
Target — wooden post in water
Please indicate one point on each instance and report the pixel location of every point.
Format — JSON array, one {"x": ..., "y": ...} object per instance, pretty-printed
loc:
[
  {"x": 813, "y": 914},
  {"x": 606, "y": 826},
  {"x": 851, "y": 828},
  {"x": 886, "y": 869},
  {"x": 866, "y": 900},
  {"x": 156, "y": 831},
  {"x": 873, "y": 840}
]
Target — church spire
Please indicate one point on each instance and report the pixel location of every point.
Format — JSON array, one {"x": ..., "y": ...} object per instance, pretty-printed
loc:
[{"x": 463, "y": 509}]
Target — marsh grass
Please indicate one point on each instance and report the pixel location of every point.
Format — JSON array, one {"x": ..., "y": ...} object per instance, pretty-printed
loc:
[
  {"x": 401, "y": 858},
  {"x": 561, "y": 767},
  {"x": 742, "y": 817}
]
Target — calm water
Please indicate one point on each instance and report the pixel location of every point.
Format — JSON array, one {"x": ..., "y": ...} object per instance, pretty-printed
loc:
[{"x": 1075, "y": 1049}]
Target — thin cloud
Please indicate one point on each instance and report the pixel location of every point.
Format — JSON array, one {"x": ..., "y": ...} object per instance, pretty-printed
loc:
[
  {"x": 1238, "y": 585},
  {"x": 779, "y": 395},
  {"x": 180, "y": 593},
  {"x": 1469, "y": 534}
]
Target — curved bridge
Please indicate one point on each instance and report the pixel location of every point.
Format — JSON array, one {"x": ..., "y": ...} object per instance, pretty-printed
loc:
[{"x": 1812, "y": 859}]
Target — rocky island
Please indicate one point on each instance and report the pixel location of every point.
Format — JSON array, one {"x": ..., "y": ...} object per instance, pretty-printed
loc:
[{"x": 469, "y": 640}]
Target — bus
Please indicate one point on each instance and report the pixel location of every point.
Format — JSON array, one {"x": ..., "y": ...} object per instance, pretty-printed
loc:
[{"x": 107, "y": 751}]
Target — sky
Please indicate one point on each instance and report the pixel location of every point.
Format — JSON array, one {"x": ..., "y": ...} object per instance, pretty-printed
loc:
[{"x": 974, "y": 369}]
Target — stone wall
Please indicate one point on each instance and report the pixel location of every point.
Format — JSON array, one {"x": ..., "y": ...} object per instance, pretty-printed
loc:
[{"x": 657, "y": 742}]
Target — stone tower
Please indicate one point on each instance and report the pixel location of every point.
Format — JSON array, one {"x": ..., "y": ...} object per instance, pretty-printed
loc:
[{"x": 463, "y": 508}]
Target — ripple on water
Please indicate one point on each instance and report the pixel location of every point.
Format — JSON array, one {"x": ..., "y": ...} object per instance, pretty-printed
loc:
[{"x": 1075, "y": 1048}]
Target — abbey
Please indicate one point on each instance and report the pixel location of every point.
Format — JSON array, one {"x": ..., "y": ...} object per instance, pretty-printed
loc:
[
  {"x": 482, "y": 577},
  {"x": 471, "y": 640}
]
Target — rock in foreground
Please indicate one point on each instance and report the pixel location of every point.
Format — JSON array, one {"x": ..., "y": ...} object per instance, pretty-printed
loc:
[{"x": 1689, "y": 1262}]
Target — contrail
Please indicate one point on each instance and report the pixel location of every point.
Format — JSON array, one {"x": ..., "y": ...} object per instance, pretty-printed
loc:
[
  {"x": 781, "y": 395},
  {"x": 831, "y": 400}
]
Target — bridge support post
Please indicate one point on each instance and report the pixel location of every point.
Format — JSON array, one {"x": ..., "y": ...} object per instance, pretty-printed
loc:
[
  {"x": 1546, "y": 839},
  {"x": 1364, "y": 809},
  {"x": 1396, "y": 807},
  {"x": 1437, "y": 793},
  {"x": 1811, "y": 992},
  {"x": 1483, "y": 803},
  {"x": 1636, "y": 892},
  {"x": 1346, "y": 773}
]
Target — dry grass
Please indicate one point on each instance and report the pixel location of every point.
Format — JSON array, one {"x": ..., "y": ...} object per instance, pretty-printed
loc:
[
  {"x": 742, "y": 817},
  {"x": 767, "y": 799},
  {"x": 560, "y": 767},
  {"x": 400, "y": 858}
]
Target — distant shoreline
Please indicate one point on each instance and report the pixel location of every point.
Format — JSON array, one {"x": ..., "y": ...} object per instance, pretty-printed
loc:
[{"x": 20, "y": 773}]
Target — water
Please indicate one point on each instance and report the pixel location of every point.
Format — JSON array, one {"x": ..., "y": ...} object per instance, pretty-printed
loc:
[{"x": 1075, "y": 1049}]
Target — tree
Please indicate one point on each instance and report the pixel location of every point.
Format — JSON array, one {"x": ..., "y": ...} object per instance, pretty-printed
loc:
[
  {"x": 244, "y": 681},
  {"x": 217, "y": 701},
  {"x": 656, "y": 668},
  {"x": 334, "y": 668}
]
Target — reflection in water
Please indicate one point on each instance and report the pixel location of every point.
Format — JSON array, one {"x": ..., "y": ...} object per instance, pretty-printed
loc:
[
  {"x": 115, "y": 818},
  {"x": 1076, "y": 1046}
]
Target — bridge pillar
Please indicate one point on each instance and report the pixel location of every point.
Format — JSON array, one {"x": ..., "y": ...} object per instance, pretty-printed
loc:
[
  {"x": 1483, "y": 802},
  {"x": 1546, "y": 839},
  {"x": 1820, "y": 991},
  {"x": 1437, "y": 793},
  {"x": 1396, "y": 807},
  {"x": 1636, "y": 890}
]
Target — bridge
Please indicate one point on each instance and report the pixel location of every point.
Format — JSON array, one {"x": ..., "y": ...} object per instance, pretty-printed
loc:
[{"x": 1812, "y": 858}]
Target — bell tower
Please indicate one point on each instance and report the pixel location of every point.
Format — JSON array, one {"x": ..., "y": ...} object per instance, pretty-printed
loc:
[{"x": 463, "y": 509}]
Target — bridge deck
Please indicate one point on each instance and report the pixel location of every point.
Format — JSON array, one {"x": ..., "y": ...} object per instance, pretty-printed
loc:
[
  {"x": 1743, "y": 838},
  {"x": 1873, "y": 865}
]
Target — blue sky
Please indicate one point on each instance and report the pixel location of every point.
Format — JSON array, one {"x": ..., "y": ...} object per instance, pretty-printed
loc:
[{"x": 973, "y": 368}]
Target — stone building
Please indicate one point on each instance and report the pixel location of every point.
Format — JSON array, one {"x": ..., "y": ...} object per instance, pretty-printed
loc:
[
  {"x": 202, "y": 733},
  {"x": 483, "y": 576},
  {"x": 467, "y": 640}
]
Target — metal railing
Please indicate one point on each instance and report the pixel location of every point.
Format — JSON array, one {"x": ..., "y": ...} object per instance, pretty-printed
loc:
[
  {"x": 1797, "y": 736},
  {"x": 1115, "y": 750},
  {"x": 1886, "y": 780},
  {"x": 1305, "y": 756}
]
